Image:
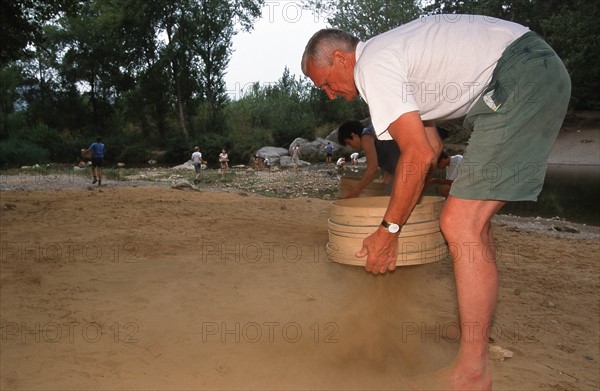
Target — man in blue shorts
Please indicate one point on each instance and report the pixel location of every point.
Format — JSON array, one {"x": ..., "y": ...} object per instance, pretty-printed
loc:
[
  {"x": 97, "y": 149},
  {"x": 513, "y": 91},
  {"x": 328, "y": 152}
]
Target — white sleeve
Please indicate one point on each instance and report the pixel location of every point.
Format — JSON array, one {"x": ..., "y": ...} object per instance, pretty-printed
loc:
[{"x": 388, "y": 94}]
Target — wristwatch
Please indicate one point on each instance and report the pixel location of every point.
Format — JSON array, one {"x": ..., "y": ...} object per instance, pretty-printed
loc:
[{"x": 391, "y": 227}]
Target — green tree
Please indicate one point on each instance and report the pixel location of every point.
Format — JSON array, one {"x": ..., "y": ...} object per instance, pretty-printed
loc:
[
  {"x": 22, "y": 21},
  {"x": 366, "y": 18},
  {"x": 277, "y": 114},
  {"x": 570, "y": 26},
  {"x": 198, "y": 47}
]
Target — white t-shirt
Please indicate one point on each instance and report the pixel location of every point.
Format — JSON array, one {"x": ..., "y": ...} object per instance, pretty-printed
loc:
[
  {"x": 453, "y": 169},
  {"x": 196, "y": 157},
  {"x": 437, "y": 65}
]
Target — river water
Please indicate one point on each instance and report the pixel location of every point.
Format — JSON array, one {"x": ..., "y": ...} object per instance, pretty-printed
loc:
[{"x": 571, "y": 192}]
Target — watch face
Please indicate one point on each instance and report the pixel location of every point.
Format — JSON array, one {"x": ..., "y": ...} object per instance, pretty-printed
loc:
[{"x": 393, "y": 228}]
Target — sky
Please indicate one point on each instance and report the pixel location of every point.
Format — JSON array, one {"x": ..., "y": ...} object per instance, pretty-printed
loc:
[{"x": 277, "y": 40}]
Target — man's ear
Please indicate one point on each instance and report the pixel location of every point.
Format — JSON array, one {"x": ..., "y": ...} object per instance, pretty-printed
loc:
[{"x": 339, "y": 57}]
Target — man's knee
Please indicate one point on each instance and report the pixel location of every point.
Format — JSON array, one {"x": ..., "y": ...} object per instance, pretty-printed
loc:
[
  {"x": 465, "y": 216},
  {"x": 449, "y": 223}
]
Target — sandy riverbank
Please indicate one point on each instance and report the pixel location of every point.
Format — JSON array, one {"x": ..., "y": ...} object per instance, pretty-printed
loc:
[
  {"x": 139, "y": 286},
  {"x": 154, "y": 288}
]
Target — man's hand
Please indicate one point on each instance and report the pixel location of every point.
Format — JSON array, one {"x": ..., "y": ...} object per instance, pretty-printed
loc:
[
  {"x": 353, "y": 192},
  {"x": 381, "y": 251}
]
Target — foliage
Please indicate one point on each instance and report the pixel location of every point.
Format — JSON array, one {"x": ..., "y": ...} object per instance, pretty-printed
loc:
[
  {"x": 366, "y": 18},
  {"x": 579, "y": 48},
  {"x": 178, "y": 150},
  {"x": 135, "y": 154},
  {"x": 17, "y": 152},
  {"x": 277, "y": 114},
  {"x": 571, "y": 27},
  {"x": 149, "y": 75},
  {"x": 22, "y": 21}
]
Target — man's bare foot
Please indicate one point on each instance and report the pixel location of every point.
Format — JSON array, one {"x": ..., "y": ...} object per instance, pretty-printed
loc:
[{"x": 454, "y": 378}]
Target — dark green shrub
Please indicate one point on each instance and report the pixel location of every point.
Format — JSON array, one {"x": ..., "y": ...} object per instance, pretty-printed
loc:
[
  {"x": 134, "y": 155},
  {"x": 16, "y": 152},
  {"x": 178, "y": 151}
]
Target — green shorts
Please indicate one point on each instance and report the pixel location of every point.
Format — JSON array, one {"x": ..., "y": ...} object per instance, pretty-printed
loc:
[{"x": 514, "y": 124}]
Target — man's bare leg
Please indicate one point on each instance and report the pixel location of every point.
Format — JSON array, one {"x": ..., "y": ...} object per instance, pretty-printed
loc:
[{"x": 466, "y": 225}]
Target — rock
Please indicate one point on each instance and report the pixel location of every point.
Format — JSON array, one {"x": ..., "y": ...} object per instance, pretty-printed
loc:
[
  {"x": 315, "y": 150},
  {"x": 498, "y": 353},
  {"x": 588, "y": 357},
  {"x": 183, "y": 185},
  {"x": 272, "y": 153},
  {"x": 10, "y": 206},
  {"x": 120, "y": 165},
  {"x": 548, "y": 304},
  {"x": 286, "y": 161},
  {"x": 517, "y": 292},
  {"x": 185, "y": 166},
  {"x": 564, "y": 228}
]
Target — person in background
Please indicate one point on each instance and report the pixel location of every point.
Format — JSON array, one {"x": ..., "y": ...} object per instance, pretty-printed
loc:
[
  {"x": 379, "y": 154},
  {"x": 354, "y": 159},
  {"x": 328, "y": 152},
  {"x": 97, "y": 149},
  {"x": 224, "y": 161},
  {"x": 451, "y": 165},
  {"x": 197, "y": 161},
  {"x": 296, "y": 154},
  {"x": 339, "y": 165}
]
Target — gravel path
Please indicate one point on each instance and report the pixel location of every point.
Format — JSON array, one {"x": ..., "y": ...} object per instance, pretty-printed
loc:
[
  {"x": 51, "y": 181},
  {"x": 315, "y": 181}
]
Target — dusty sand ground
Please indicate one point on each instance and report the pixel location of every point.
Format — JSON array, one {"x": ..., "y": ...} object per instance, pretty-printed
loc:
[{"x": 154, "y": 288}]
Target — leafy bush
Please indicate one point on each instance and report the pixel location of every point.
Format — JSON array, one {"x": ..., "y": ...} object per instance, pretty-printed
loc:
[
  {"x": 16, "y": 152},
  {"x": 178, "y": 151},
  {"x": 211, "y": 146},
  {"x": 134, "y": 155}
]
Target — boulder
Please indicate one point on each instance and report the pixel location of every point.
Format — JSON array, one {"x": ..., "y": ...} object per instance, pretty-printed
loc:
[
  {"x": 183, "y": 184},
  {"x": 187, "y": 166},
  {"x": 286, "y": 162},
  {"x": 272, "y": 153},
  {"x": 315, "y": 150}
]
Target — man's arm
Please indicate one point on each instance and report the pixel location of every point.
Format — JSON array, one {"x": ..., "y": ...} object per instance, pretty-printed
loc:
[{"x": 420, "y": 146}]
